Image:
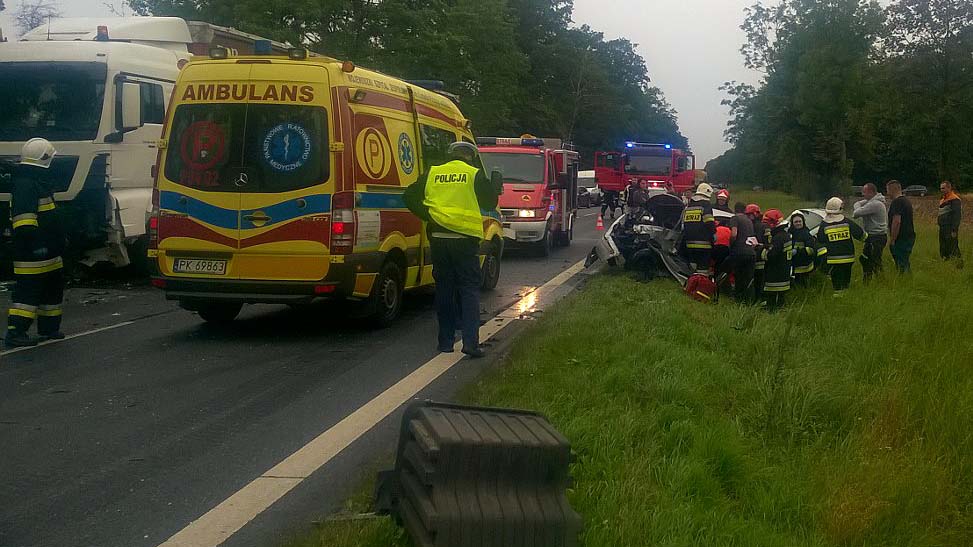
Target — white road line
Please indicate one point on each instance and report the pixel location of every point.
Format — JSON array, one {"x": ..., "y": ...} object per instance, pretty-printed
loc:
[
  {"x": 590, "y": 214},
  {"x": 68, "y": 337},
  {"x": 227, "y": 518}
]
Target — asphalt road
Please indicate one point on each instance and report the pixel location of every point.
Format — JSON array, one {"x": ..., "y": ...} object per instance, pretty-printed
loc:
[{"x": 148, "y": 418}]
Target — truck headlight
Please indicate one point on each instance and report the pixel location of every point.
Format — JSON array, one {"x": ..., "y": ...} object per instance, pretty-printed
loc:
[{"x": 526, "y": 213}]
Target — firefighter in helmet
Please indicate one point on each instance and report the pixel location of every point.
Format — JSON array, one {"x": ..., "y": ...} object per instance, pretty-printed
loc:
[
  {"x": 37, "y": 243},
  {"x": 723, "y": 201},
  {"x": 836, "y": 235},
  {"x": 778, "y": 254},
  {"x": 699, "y": 229}
]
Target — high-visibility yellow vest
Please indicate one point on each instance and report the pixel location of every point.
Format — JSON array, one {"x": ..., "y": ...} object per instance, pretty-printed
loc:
[{"x": 451, "y": 198}]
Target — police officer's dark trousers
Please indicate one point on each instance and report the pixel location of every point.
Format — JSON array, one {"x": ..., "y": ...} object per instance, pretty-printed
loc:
[{"x": 456, "y": 269}]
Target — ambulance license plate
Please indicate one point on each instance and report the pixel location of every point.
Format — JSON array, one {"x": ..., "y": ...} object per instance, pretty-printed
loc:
[{"x": 199, "y": 266}]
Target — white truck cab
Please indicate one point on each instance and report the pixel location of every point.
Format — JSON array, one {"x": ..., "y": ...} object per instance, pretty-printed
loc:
[{"x": 98, "y": 89}]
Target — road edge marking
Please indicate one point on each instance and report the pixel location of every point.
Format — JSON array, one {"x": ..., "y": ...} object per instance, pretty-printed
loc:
[
  {"x": 68, "y": 337},
  {"x": 232, "y": 514}
]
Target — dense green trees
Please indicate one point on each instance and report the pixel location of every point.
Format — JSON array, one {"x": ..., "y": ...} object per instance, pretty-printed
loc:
[
  {"x": 853, "y": 92},
  {"x": 518, "y": 65}
]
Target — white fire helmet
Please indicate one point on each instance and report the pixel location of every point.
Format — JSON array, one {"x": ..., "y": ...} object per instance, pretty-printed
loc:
[{"x": 37, "y": 152}]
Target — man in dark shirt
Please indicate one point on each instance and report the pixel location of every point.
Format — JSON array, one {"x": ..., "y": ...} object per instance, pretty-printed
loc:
[
  {"x": 743, "y": 257},
  {"x": 902, "y": 232}
]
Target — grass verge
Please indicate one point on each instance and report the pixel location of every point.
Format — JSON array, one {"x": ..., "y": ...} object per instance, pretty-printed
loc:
[{"x": 836, "y": 422}]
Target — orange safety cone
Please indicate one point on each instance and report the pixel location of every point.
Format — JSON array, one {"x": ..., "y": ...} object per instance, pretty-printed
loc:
[{"x": 600, "y": 225}]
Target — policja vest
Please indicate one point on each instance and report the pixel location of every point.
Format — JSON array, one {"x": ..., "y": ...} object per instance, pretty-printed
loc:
[{"x": 451, "y": 198}]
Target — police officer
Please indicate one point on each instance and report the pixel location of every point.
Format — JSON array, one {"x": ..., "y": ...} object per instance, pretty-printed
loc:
[
  {"x": 450, "y": 200},
  {"x": 836, "y": 235},
  {"x": 699, "y": 229},
  {"x": 37, "y": 244},
  {"x": 778, "y": 254}
]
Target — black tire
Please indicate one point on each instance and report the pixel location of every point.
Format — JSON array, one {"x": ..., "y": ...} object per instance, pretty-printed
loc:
[
  {"x": 219, "y": 312},
  {"x": 543, "y": 247},
  {"x": 385, "y": 302},
  {"x": 138, "y": 257},
  {"x": 491, "y": 267}
]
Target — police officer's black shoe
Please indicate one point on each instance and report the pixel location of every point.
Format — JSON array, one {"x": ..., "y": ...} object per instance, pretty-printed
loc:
[
  {"x": 19, "y": 340},
  {"x": 475, "y": 353},
  {"x": 56, "y": 335}
]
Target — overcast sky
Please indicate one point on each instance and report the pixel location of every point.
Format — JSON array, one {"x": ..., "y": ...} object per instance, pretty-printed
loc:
[{"x": 690, "y": 46}]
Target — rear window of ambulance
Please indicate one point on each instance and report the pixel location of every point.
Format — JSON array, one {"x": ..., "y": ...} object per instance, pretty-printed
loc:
[{"x": 265, "y": 148}]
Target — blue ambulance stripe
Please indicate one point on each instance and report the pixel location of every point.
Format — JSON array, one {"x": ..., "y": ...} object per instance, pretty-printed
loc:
[
  {"x": 288, "y": 210},
  {"x": 231, "y": 219},
  {"x": 206, "y": 212},
  {"x": 378, "y": 200}
]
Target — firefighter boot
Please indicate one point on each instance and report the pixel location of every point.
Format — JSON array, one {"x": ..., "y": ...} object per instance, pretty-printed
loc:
[{"x": 17, "y": 338}]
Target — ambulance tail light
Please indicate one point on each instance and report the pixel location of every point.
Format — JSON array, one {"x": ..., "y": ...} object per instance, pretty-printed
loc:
[
  {"x": 153, "y": 225},
  {"x": 343, "y": 223}
]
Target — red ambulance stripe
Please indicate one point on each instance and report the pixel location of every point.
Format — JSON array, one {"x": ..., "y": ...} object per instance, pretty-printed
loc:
[
  {"x": 301, "y": 230},
  {"x": 186, "y": 227}
]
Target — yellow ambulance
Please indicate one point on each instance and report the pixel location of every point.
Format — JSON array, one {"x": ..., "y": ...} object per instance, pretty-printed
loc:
[{"x": 280, "y": 180}]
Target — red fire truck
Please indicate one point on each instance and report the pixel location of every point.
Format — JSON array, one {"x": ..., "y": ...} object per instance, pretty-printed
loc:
[
  {"x": 539, "y": 203},
  {"x": 648, "y": 165}
]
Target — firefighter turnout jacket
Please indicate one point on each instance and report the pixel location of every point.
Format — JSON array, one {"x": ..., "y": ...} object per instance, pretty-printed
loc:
[
  {"x": 762, "y": 232},
  {"x": 698, "y": 226},
  {"x": 777, "y": 272},
  {"x": 37, "y": 245},
  {"x": 836, "y": 240},
  {"x": 805, "y": 249}
]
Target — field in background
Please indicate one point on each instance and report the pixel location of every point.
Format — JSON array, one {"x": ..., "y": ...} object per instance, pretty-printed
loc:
[{"x": 835, "y": 422}]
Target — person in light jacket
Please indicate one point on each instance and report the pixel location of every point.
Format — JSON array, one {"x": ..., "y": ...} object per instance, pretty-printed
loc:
[{"x": 874, "y": 216}]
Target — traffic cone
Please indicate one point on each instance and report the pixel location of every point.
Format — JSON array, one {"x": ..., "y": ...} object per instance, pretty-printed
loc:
[{"x": 600, "y": 225}]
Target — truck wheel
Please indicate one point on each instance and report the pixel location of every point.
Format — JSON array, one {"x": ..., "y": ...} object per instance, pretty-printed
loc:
[
  {"x": 543, "y": 247},
  {"x": 219, "y": 312},
  {"x": 491, "y": 267},
  {"x": 385, "y": 302}
]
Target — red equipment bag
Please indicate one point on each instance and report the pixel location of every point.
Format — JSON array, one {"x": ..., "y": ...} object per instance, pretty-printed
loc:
[{"x": 701, "y": 287}]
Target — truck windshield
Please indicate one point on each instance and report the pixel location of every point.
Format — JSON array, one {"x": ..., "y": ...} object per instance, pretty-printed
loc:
[
  {"x": 649, "y": 165},
  {"x": 515, "y": 167},
  {"x": 59, "y": 101}
]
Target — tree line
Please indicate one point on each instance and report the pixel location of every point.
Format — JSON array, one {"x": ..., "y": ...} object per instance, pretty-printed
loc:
[
  {"x": 519, "y": 66},
  {"x": 852, "y": 92}
]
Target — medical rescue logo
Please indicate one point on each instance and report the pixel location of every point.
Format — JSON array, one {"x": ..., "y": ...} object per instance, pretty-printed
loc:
[
  {"x": 407, "y": 156},
  {"x": 374, "y": 153},
  {"x": 286, "y": 147}
]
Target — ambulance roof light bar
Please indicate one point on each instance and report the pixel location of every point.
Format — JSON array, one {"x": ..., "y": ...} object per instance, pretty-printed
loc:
[{"x": 510, "y": 141}]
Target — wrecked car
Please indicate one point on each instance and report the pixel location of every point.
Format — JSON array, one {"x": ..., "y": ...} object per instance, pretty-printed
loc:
[{"x": 647, "y": 237}]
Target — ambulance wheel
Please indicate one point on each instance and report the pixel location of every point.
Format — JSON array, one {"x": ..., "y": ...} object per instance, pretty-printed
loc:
[
  {"x": 385, "y": 302},
  {"x": 219, "y": 312},
  {"x": 491, "y": 267}
]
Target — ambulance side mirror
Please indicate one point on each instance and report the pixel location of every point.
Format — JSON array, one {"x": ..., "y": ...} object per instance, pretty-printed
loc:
[
  {"x": 131, "y": 106},
  {"x": 496, "y": 178}
]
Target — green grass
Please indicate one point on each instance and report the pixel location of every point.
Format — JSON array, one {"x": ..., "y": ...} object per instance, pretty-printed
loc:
[{"x": 835, "y": 422}]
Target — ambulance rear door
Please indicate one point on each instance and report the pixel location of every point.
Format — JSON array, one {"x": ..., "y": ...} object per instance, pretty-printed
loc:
[
  {"x": 285, "y": 204},
  {"x": 203, "y": 170}
]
